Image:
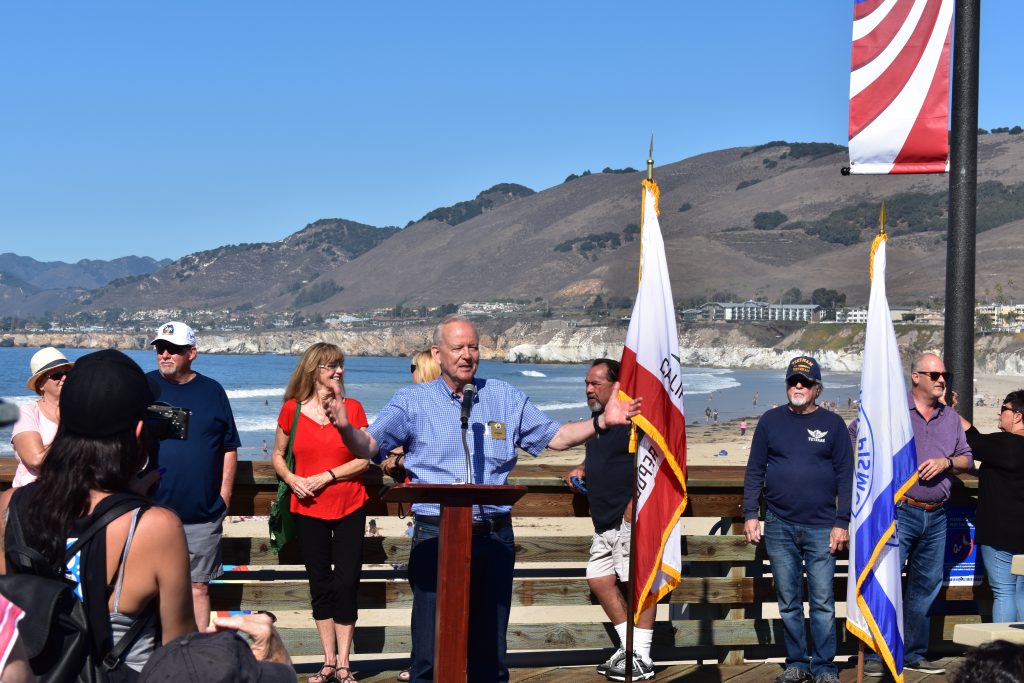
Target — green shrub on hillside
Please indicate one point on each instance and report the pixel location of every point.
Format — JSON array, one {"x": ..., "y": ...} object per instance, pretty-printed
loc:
[
  {"x": 747, "y": 183},
  {"x": 769, "y": 220}
]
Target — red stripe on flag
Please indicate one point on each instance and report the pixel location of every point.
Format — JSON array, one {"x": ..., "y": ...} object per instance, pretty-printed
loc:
[
  {"x": 637, "y": 381},
  {"x": 927, "y": 145},
  {"x": 876, "y": 97},
  {"x": 862, "y": 9},
  {"x": 871, "y": 45}
]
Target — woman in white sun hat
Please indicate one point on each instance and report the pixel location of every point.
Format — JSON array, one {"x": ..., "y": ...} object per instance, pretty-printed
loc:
[{"x": 35, "y": 429}]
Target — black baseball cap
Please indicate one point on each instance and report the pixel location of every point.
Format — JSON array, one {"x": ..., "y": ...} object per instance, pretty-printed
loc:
[
  {"x": 223, "y": 657},
  {"x": 107, "y": 397}
]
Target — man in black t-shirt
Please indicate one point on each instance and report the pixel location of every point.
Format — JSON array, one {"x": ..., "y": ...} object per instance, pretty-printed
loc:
[{"x": 606, "y": 475}]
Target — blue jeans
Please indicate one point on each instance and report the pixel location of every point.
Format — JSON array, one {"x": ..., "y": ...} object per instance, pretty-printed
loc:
[
  {"x": 490, "y": 588},
  {"x": 1007, "y": 589},
  {"x": 790, "y": 548},
  {"x": 922, "y": 537}
]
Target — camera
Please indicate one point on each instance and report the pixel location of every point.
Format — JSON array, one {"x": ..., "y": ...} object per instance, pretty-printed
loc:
[{"x": 164, "y": 421}]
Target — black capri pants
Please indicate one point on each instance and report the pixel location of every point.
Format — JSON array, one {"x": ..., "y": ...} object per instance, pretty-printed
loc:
[{"x": 337, "y": 542}]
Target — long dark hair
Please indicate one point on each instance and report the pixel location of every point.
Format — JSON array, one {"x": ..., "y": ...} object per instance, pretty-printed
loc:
[{"x": 76, "y": 465}]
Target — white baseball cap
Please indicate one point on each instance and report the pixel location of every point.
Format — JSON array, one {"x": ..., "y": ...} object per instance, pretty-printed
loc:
[{"x": 176, "y": 333}]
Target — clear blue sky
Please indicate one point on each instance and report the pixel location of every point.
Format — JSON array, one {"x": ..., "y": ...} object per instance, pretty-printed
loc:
[{"x": 161, "y": 129}]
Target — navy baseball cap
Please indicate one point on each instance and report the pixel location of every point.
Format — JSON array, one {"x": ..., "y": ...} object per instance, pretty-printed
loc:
[{"x": 805, "y": 366}]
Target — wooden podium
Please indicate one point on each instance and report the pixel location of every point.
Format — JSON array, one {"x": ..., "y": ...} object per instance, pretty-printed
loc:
[{"x": 454, "y": 553}]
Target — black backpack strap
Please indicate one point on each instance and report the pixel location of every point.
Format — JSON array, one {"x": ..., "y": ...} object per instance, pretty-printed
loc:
[
  {"x": 113, "y": 658},
  {"x": 113, "y": 512}
]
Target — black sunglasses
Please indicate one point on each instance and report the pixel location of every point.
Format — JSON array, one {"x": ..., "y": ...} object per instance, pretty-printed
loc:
[
  {"x": 800, "y": 379},
  {"x": 172, "y": 349},
  {"x": 1005, "y": 408},
  {"x": 934, "y": 376},
  {"x": 58, "y": 376},
  {"x": 412, "y": 368}
]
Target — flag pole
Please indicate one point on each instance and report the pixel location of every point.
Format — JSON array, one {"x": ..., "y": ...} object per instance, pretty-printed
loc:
[{"x": 631, "y": 591}]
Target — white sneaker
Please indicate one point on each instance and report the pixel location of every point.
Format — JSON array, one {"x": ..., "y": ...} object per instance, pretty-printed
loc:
[
  {"x": 603, "y": 667},
  {"x": 643, "y": 669}
]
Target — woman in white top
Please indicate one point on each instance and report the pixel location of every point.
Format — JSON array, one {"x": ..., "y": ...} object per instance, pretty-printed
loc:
[{"x": 34, "y": 431}]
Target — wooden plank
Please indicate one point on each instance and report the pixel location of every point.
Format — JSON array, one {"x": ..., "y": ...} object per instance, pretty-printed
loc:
[
  {"x": 669, "y": 637},
  {"x": 391, "y": 594},
  {"x": 394, "y": 550}
]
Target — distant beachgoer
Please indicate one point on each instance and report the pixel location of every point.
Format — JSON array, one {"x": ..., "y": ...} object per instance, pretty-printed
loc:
[
  {"x": 409, "y": 531},
  {"x": 714, "y": 416},
  {"x": 757, "y": 395},
  {"x": 849, "y": 402},
  {"x": 372, "y": 530},
  {"x": 707, "y": 415},
  {"x": 743, "y": 427}
]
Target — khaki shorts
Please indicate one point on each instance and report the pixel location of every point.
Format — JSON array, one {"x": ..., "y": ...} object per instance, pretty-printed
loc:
[
  {"x": 204, "y": 550},
  {"x": 609, "y": 553}
]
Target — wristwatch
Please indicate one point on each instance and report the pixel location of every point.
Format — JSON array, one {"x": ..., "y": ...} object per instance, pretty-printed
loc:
[
  {"x": 597, "y": 427},
  {"x": 949, "y": 463}
]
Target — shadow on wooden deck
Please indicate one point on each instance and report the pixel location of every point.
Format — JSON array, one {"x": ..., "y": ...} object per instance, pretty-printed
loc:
[{"x": 753, "y": 672}]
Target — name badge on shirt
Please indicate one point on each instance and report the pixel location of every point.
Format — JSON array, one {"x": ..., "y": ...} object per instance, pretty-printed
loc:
[{"x": 497, "y": 430}]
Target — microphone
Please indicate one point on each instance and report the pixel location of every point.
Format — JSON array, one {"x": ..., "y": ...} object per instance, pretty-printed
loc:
[{"x": 468, "y": 394}]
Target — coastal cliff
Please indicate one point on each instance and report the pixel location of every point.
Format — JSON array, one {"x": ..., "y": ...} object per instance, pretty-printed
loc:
[{"x": 837, "y": 347}]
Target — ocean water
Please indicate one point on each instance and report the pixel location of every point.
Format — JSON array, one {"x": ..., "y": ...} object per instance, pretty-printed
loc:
[{"x": 255, "y": 386}]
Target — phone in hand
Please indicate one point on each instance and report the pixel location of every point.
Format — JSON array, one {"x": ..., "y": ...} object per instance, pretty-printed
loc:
[{"x": 578, "y": 483}]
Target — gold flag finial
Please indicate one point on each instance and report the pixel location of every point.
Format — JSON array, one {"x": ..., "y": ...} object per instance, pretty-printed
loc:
[
  {"x": 650, "y": 160},
  {"x": 881, "y": 219}
]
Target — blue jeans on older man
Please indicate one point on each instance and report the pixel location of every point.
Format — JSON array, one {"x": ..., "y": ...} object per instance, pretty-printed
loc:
[
  {"x": 490, "y": 587},
  {"x": 922, "y": 537},
  {"x": 791, "y": 548}
]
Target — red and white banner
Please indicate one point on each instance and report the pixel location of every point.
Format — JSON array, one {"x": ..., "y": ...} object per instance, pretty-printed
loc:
[
  {"x": 899, "y": 86},
  {"x": 650, "y": 368}
]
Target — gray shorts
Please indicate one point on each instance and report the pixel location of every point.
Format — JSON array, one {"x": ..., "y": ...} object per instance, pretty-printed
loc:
[
  {"x": 609, "y": 553},
  {"x": 204, "y": 550}
]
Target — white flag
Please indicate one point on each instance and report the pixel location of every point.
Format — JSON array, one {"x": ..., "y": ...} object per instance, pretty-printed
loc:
[{"x": 886, "y": 464}]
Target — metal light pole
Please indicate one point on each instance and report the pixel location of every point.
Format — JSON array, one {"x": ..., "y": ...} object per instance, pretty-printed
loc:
[{"x": 963, "y": 181}]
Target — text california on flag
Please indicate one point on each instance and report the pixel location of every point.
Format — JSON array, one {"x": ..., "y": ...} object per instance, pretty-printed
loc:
[
  {"x": 899, "y": 86},
  {"x": 885, "y": 469},
  {"x": 650, "y": 369}
]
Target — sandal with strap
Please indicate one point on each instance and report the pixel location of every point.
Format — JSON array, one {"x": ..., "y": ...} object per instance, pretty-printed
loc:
[
  {"x": 328, "y": 673},
  {"x": 347, "y": 678}
]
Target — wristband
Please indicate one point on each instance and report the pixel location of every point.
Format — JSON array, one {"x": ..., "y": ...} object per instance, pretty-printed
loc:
[
  {"x": 334, "y": 477},
  {"x": 597, "y": 427}
]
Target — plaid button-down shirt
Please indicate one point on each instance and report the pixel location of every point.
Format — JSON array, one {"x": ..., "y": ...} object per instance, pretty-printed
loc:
[{"x": 424, "y": 420}]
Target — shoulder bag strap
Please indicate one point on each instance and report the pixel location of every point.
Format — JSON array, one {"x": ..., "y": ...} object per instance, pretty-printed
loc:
[
  {"x": 115, "y": 511},
  {"x": 289, "y": 457}
]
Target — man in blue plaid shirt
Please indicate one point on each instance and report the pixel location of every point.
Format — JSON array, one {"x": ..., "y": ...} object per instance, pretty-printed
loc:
[{"x": 423, "y": 419}]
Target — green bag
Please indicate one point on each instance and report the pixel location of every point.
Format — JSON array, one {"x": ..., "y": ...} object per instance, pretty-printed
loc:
[{"x": 282, "y": 524}]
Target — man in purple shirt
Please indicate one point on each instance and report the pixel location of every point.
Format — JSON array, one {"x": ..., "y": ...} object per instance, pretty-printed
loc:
[{"x": 942, "y": 451}]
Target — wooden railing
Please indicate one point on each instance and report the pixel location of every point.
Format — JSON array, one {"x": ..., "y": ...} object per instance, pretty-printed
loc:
[{"x": 728, "y": 581}]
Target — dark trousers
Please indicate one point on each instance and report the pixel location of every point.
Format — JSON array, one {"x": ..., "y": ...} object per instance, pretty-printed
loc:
[
  {"x": 494, "y": 558},
  {"x": 337, "y": 542}
]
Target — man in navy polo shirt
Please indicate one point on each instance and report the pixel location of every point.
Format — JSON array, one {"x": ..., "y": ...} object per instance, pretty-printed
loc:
[
  {"x": 802, "y": 459},
  {"x": 424, "y": 420},
  {"x": 200, "y": 470}
]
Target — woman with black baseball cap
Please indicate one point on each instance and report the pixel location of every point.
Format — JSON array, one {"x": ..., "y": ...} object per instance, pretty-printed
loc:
[{"x": 93, "y": 466}]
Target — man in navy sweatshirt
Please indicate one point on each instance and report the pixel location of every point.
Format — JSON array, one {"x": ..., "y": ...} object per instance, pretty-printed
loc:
[{"x": 802, "y": 460}]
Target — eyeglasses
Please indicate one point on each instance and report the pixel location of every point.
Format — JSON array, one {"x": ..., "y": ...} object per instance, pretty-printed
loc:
[
  {"x": 412, "y": 368},
  {"x": 934, "y": 376},
  {"x": 173, "y": 349},
  {"x": 1005, "y": 408},
  {"x": 331, "y": 366},
  {"x": 797, "y": 379},
  {"x": 58, "y": 376}
]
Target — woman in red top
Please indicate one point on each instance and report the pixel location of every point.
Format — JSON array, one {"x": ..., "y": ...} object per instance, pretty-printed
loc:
[{"x": 327, "y": 502}]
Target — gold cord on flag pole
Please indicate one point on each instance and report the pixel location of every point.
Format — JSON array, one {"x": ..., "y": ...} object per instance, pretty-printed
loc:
[{"x": 879, "y": 238}]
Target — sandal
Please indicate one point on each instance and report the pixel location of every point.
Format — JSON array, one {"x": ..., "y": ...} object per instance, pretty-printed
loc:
[
  {"x": 347, "y": 678},
  {"x": 325, "y": 675},
  {"x": 404, "y": 675}
]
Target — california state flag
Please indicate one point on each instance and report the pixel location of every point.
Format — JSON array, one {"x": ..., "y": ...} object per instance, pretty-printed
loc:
[{"x": 650, "y": 368}]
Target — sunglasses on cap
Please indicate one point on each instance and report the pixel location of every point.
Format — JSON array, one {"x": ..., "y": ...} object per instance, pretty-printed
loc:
[
  {"x": 934, "y": 376},
  {"x": 801, "y": 380}
]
